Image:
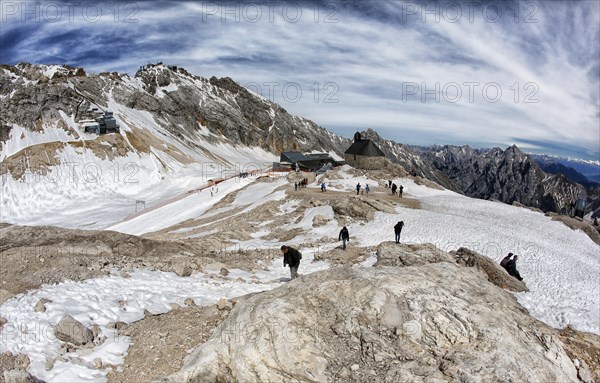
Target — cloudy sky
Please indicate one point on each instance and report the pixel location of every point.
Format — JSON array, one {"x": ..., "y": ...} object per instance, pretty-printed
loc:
[{"x": 483, "y": 73}]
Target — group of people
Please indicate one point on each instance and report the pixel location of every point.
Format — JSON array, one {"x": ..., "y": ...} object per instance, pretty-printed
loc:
[
  {"x": 395, "y": 189},
  {"x": 509, "y": 263},
  {"x": 359, "y": 189},
  {"x": 301, "y": 184}
]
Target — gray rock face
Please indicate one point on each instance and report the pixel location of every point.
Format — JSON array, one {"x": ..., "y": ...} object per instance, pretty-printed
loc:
[
  {"x": 437, "y": 322},
  {"x": 70, "y": 330}
]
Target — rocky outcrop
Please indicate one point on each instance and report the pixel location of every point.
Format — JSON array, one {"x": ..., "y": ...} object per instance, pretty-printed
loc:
[
  {"x": 493, "y": 271},
  {"x": 394, "y": 254},
  {"x": 435, "y": 322},
  {"x": 402, "y": 255}
]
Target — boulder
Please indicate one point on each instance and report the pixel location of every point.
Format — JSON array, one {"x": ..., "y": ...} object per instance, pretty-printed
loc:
[
  {"x": 224, "y": 304},
  {"x": 182, "y": 269},
  {"x": 20, "y": 376},
  {"x": 437, "y": 322},
  {"x": 70, "y": 330},
  {"x": 40, "y": 305}
]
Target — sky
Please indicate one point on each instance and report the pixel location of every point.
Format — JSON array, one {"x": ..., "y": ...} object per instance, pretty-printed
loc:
[{"x": 482, "y": 73}]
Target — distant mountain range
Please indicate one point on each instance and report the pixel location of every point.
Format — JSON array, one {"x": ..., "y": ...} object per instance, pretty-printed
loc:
[
  {"x": 584, "y": 172},
  {"x": 170, "y": 119}
]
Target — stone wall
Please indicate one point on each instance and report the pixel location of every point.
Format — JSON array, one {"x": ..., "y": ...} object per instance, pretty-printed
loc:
[{"x": 364, "y": 162}]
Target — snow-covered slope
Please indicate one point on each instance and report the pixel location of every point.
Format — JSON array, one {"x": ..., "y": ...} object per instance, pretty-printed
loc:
[{"x": 559, "y": 265}]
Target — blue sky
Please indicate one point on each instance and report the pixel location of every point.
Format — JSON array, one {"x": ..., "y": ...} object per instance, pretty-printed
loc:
[{"x": 483, "y": 73}]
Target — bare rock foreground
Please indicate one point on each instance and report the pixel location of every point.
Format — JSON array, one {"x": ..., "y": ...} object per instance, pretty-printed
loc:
[{"x": 436, "y": 322}]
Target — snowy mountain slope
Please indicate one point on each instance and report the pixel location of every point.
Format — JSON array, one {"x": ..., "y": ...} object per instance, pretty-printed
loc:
[
  {"x": 557, "y": 263},
  {"x": 174, "y": 127}
]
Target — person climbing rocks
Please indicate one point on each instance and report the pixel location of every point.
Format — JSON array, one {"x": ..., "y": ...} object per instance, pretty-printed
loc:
[
  {"x": 390, "y": 183},
  {"x": 344, "y": 237},
  {"x": 394, "y": 188},
  {"x": 292, "y": 258},
  {"x": 400, "y": 190},
  {"x": 323, "y": 189},
  {"x": 511, "y": 267},
  {"x": 505, "y": 259},
  {"x": 367, "y": 189},
  {"x": 295, "y": 186},
  {"x": 358, "y": 189},
  {"x": 398, "y": 229}
]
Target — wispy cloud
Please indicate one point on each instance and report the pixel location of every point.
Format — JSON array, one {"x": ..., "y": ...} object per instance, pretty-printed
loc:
[{"x": 419, "y": 72}]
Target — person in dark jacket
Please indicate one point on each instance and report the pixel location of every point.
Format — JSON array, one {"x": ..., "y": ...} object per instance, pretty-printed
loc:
[
  {"x": 400, "y": 190},
  {"x": 292, "y": 258},
  {"x": 505, "y": 259},
  {"x": 358, "y": 188},
  {"x": 398, "y": 229},
  {"x": 511, "y": 268},
  {"x": 394, "y": 188},
  {"x": 344, "y": 237}
]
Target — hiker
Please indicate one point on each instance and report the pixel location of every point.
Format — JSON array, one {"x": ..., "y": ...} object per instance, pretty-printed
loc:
[
  {"x": 358, "y": 188},
  {"x": 295, "y": 186},
  {"x": 400, "y": 190},
  {"x": 323, "y": 186},
  {"x": 292, "y": 258},
  {"x": 511, "y": 267},
  {"x": 506, "y": 259},
  {"x": 344, "y": 237},
  {"x": 398, "y": 229},
  {"x": 394, "y": 188},
  {"x": 367, "y": 189}
]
